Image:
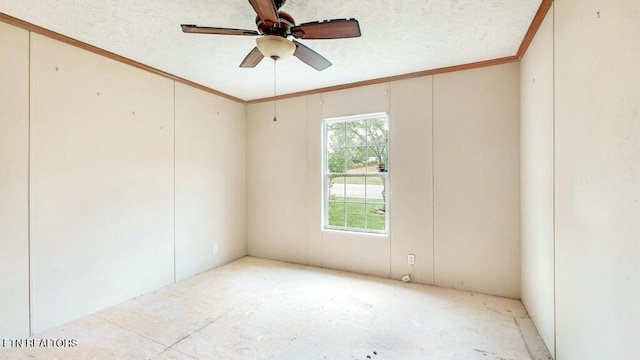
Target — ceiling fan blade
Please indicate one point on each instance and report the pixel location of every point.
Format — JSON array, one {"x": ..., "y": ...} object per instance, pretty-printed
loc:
[
  {"x": 252, "y": 59},
  {"x": 188, "y": 28},
  {"x": 330, "y": 29},
  {"x": 266, "y": 10},
  {"x": 310, "y": 57}
]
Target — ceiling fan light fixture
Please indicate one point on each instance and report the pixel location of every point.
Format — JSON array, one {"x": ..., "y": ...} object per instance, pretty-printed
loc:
[{"x": 275, "y": 47}]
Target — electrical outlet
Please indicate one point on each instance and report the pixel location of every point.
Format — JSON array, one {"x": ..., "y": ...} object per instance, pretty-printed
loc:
[
  {"x": 411, "y": 259},
  {"x": 215, "y": 248}
]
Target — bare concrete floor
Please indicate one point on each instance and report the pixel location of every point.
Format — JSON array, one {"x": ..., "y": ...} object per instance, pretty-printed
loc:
[{"x": 262, "y": 309}]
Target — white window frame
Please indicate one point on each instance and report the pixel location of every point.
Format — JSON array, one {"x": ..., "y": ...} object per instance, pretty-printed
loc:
[{"x": 327, "y": 176}]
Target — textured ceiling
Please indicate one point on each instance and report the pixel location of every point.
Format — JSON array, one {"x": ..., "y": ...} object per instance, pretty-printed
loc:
[{"x": 398, "y": 37}]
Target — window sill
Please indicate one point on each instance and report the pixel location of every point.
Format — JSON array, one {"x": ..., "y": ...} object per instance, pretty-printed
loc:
[{"x": 355, "y": 232}]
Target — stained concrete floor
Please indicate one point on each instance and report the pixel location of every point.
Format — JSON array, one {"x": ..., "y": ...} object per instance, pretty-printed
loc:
[{"x": 262, "y": 309}]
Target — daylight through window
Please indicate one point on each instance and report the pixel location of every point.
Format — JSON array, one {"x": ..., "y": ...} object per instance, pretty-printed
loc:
[{"x": 356, "y": 165}]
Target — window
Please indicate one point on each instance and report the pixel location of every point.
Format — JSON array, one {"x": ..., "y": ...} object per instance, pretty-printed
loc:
[{"x": 356, "y": 154}]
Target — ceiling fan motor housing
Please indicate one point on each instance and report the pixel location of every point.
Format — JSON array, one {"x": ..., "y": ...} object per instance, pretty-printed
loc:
[{"x": 285, "y": 22}]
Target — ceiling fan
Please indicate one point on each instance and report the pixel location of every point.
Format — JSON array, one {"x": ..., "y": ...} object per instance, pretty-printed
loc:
[{"x": 274, "y": 29}]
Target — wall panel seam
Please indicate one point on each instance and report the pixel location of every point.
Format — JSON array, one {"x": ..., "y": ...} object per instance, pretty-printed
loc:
[
  {"x": 30, "y": 305},
  {"x": 390, "y": 237},
  {"x": 307, "y": 179},
  {"x": 174, "y": 183},
  {"x": 433, "y": 186},
  {"x": 553, "y": 96}
]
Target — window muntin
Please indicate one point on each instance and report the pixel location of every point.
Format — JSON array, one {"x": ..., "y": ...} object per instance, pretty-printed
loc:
[{"x": 355, "y": 184}]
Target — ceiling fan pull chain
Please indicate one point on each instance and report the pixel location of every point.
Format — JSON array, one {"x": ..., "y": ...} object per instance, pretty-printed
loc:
[{"x": 274, "y": 90}]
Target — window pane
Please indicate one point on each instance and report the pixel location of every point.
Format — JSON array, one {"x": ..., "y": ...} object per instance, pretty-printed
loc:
[
  {"x": 336, "y": 135},
  {"x": 336, "y": 213},
  {"x": 336, "y": 187},
  {"x": 376, "y": 217},
  {"x": 356, "y": 215},
  {"x": 356, "y": 159},
  {"x": 355, "y": 190},
  {"x": 377, "y": 132},
  {"x": 371, "y": 166},
  {"x": 378, "y": 155},
  {"x": 375, "y": 191},
  {"x": 356, "y": 133},
  {"x": 336, "y": 160}
]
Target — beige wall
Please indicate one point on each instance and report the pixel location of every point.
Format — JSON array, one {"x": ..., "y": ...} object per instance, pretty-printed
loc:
[
  {"x": 101, "y": 182},
  {"x": 476, "y": 180},
  {"x": 120, "y": 203},
  {"x": 276, "y": 181},
  {"x": 284, "y": 157},
  {"x": 14, "y": 177},
  {"x": 411, "y": 181},
  {"x": 597, "y": 129},
  {"x": 537, "y": 180},
  {"x": 581, "y": 170},
  {"x": 210, "y": 181}
]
